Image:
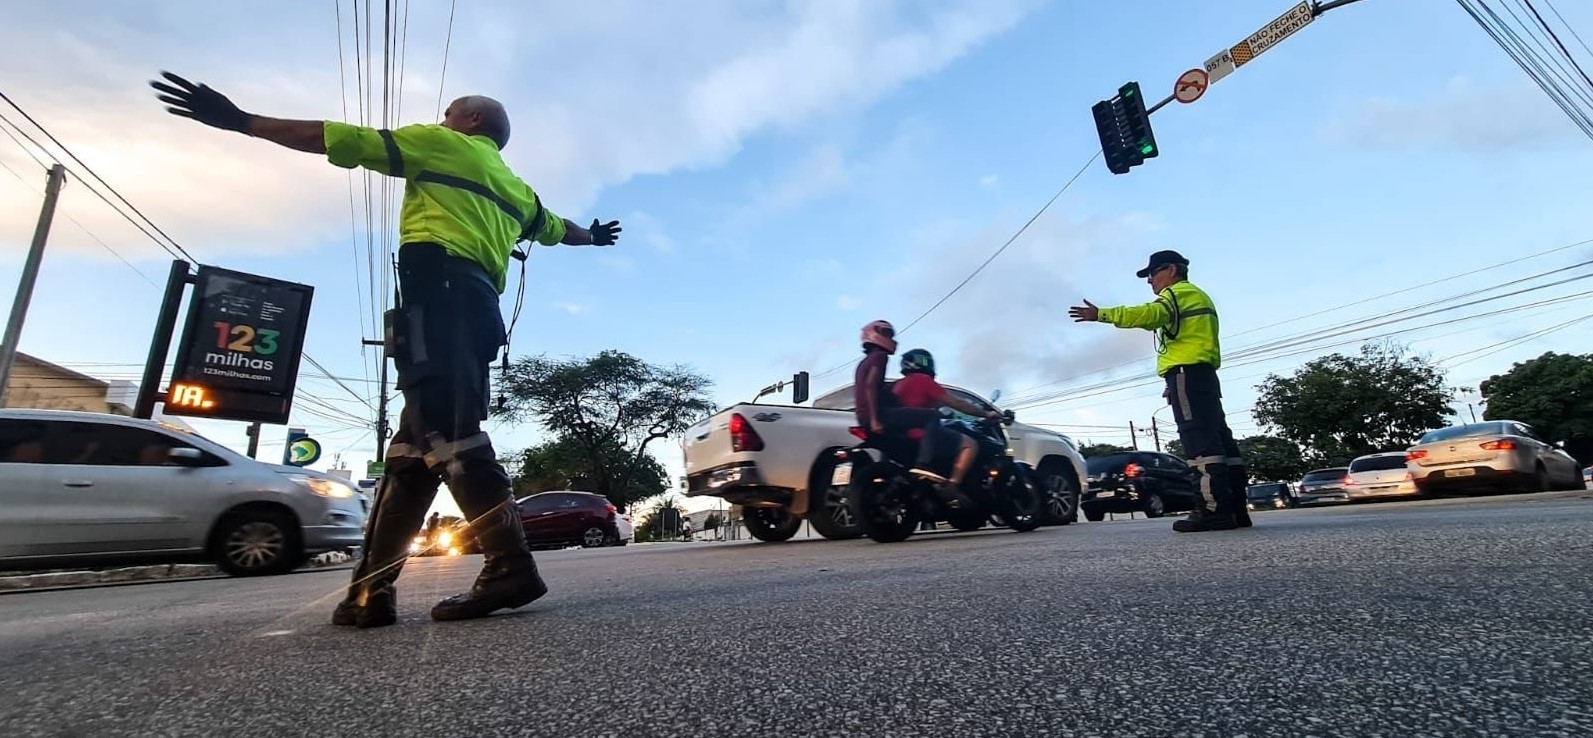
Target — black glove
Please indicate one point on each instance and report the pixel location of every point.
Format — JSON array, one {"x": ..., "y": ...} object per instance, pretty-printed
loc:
[
  {"x": 201, "y": 103},
  {"x": 604, "y": 234}
]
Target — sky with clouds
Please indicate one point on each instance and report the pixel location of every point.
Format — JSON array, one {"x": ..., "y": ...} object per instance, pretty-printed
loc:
[{"x": 788, "y": 170}]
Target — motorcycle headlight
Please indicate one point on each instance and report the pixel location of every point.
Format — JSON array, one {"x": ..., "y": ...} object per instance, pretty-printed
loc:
[
  {"x": 322, "y": 487},
  {"x": 445, "y": 539}
]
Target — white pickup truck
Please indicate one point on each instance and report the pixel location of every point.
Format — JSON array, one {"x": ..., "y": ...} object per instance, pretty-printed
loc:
[{"x": 778, "y": 462}]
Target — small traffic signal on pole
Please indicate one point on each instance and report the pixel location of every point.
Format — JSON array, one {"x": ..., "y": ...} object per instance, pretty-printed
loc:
[
  {"x": 1123, "y": 124},
  {"x": 799, "y": 388}
]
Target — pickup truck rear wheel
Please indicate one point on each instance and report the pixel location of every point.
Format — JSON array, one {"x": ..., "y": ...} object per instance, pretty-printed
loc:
[
  {"x": 771, "y": 524},
  {"x": 829, "y": 509}
]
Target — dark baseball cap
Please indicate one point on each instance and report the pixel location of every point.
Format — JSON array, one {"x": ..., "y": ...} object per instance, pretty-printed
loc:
[{"x": 1161, "y": 259}]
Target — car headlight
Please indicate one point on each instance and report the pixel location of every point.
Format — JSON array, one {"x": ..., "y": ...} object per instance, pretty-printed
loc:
[
  {"x": 445, "y": 539},
  {"x": 322, "y": 487}
]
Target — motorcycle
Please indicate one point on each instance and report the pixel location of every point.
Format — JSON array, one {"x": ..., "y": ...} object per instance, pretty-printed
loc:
[{"x": 890, "y": 504}]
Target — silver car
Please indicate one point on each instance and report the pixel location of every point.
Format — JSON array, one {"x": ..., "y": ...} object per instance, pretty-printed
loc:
[
  {"x": 1494, "y": 454},
  {"x": 85, "y": 488},
  {"x": 1379, "y": 475},
  {"x": 1323, "y": 485}
]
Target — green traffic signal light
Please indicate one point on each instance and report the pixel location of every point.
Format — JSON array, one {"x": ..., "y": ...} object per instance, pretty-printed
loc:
[{"x": 1147, "y": 149}]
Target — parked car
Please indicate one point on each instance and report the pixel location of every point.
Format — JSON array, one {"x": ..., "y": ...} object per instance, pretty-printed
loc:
[
  {"x": 1587, "y": 478},
  {"x": 1323, "y": 485},
  {"x": 96, "y": 489},
  {"x": 1379, "y": 475},
  {"x": 779, "y": 463},
  {"x": 1269, "y": 495},
  {"x": 1494, "y": 454},
  {"x": 627, "y": 528},
  {"x": 565, "y": 517},
  {"x": 1138, "y": 481}
]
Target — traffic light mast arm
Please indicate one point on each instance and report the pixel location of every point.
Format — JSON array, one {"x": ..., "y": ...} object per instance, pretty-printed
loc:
[{"x": 1317, "y": 9}]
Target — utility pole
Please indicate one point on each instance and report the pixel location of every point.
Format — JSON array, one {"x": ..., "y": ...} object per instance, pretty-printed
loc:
[
  {"x": 1156, "y": 434},
  {"x": 30, "y": 276},
  {"x": 160, "y": 345},
  {"x": 381, "y": 403},
  {"x": 1133, "y": 435}
]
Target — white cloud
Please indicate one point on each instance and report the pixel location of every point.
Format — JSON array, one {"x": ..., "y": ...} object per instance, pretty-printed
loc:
[
  {"x": 573, "y": 308},
  {"x": 638, "y": 102},
  {"x": 1463, "y": 116},
  {"x": 1009, "y": 326},
  {"x": 617, "y": 263},
  {"x": 848, "y": 302},
  {"x": 823, "y": 171},
  {"x": 989, "y": 180}
]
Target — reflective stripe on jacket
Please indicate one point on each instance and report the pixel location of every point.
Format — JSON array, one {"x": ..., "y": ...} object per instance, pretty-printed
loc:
[
  {"x": 458, "y": 192},
  {"x": 1185, "y": 321}
]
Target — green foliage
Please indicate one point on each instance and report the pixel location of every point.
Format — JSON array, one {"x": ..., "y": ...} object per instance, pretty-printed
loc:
[
  {"x": 1092, "y": 450},
  {"x": 1339, "y": 407},
  {"x": 711, "y": 522},
  {"x": 1176, "y": 448},
  {"x": 662, "y": 522},
  {"x": 1269, "y": 458},
  {"x": 565, "y": 463},
  {"x": 1552, "y": 393},
  {"x": 606, "y": 409}
]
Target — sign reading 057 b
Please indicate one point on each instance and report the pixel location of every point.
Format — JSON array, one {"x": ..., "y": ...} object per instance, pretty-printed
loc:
[{"x": 239, "y": 357}]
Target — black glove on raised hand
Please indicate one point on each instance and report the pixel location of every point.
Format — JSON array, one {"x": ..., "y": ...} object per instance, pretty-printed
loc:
[
  {"x": 604, "y": 234},
  {"x": 200, "y": 103}
]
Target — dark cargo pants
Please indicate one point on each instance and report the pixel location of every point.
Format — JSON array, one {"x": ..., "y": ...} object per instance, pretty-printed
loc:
[{"x": 1196, "y": 399}]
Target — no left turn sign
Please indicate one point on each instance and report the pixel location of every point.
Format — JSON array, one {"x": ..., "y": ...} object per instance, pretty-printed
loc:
[{"x": 1191, "y": 85}]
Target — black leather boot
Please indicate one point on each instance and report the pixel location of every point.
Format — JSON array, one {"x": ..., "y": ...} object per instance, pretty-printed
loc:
[
  {"x": 374, "y": 607},
  {"x": 1241, "y": 509},
  {"x": 508, "y": 579},
  {"x": 1202, "y": 520}
]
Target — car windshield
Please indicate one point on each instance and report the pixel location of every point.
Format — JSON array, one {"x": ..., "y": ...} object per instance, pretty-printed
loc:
[
  {"x": 1378, "y": 463},
  {"x": 1324, "y": 475},
  {"x": 1108, "y": 464},
  {"x": 1465, "y": 431}
]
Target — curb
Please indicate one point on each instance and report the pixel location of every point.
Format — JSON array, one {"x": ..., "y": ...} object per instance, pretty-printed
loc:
[{"x": 139, "y": 574}]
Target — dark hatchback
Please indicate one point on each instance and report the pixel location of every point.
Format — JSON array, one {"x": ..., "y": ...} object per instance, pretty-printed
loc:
[
  {"x": 563, "y": 518},
  {"x": 1269, "y": 496},
  {"x": 1138, "y": 481},
  {"x": 1324, "y": 485}
]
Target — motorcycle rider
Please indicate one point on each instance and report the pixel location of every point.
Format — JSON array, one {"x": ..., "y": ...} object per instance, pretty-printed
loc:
[
  {"x": 868, "y": 386},
  {"x": 918, "y": 390}
]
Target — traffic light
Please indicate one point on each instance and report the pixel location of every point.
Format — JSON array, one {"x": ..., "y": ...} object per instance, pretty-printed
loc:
[
  {"x": 799, "y": 388},
  {"x": 1123, "y": 124},
  {"x": 1140, "y": 138}
]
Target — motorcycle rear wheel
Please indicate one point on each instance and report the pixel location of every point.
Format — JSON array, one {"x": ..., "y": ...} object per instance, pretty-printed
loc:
[{"x": 885, "y": 508}]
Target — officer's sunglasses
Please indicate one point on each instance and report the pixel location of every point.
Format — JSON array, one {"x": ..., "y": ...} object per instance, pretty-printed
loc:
[{"x": 1151, "y": 278}]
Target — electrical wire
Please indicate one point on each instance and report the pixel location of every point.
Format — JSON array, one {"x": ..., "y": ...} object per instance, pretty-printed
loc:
[
  {"x": 993, "y": 256},
  {"x": 448, "y": 44}
]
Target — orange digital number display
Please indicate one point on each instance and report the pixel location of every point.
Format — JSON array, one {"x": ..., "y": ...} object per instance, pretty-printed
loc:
[{"x": 190, "y": 396}]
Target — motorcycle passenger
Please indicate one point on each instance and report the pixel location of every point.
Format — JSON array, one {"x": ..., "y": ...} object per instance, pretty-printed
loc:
[
  {"x": 918, "y": 390},
  {"x": 870, "y": 399}
]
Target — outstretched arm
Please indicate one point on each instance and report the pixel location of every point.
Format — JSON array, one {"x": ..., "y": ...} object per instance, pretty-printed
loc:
[{"x": 212, "y": 108}]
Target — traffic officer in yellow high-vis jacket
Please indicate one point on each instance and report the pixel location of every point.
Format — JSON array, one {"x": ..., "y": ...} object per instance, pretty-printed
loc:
[
  {"x": 463, "y": 212},
  {"x": 1188, "y": 354}
]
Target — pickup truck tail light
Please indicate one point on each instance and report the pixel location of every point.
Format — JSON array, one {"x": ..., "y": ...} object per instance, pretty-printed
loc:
[
  {"x": 1503, "y": 444},
  {"x": 742, "y": 436},
  {"x": 858, "y": 433}
]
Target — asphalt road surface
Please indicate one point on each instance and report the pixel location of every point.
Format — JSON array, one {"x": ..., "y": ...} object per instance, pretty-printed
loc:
[{"x": 1466, "y": 618}]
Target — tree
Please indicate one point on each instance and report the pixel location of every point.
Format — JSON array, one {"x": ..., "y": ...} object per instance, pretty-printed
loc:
[
  {"x": 1176, "y": 448},
  {"x": 711, "y": 522},
  {"x": 565, "y": 463},
  {"x": 1552, "y": 393},
  {"x": 1091, "y": 450},
  {"x": 1339, "y": 407},
  {"x": 609, "y": 408},
  {"x": 1271, "y": 458}
]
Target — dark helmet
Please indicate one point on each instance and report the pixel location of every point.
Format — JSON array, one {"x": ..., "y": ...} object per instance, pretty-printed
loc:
[{"x": 918, "y": 361}]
